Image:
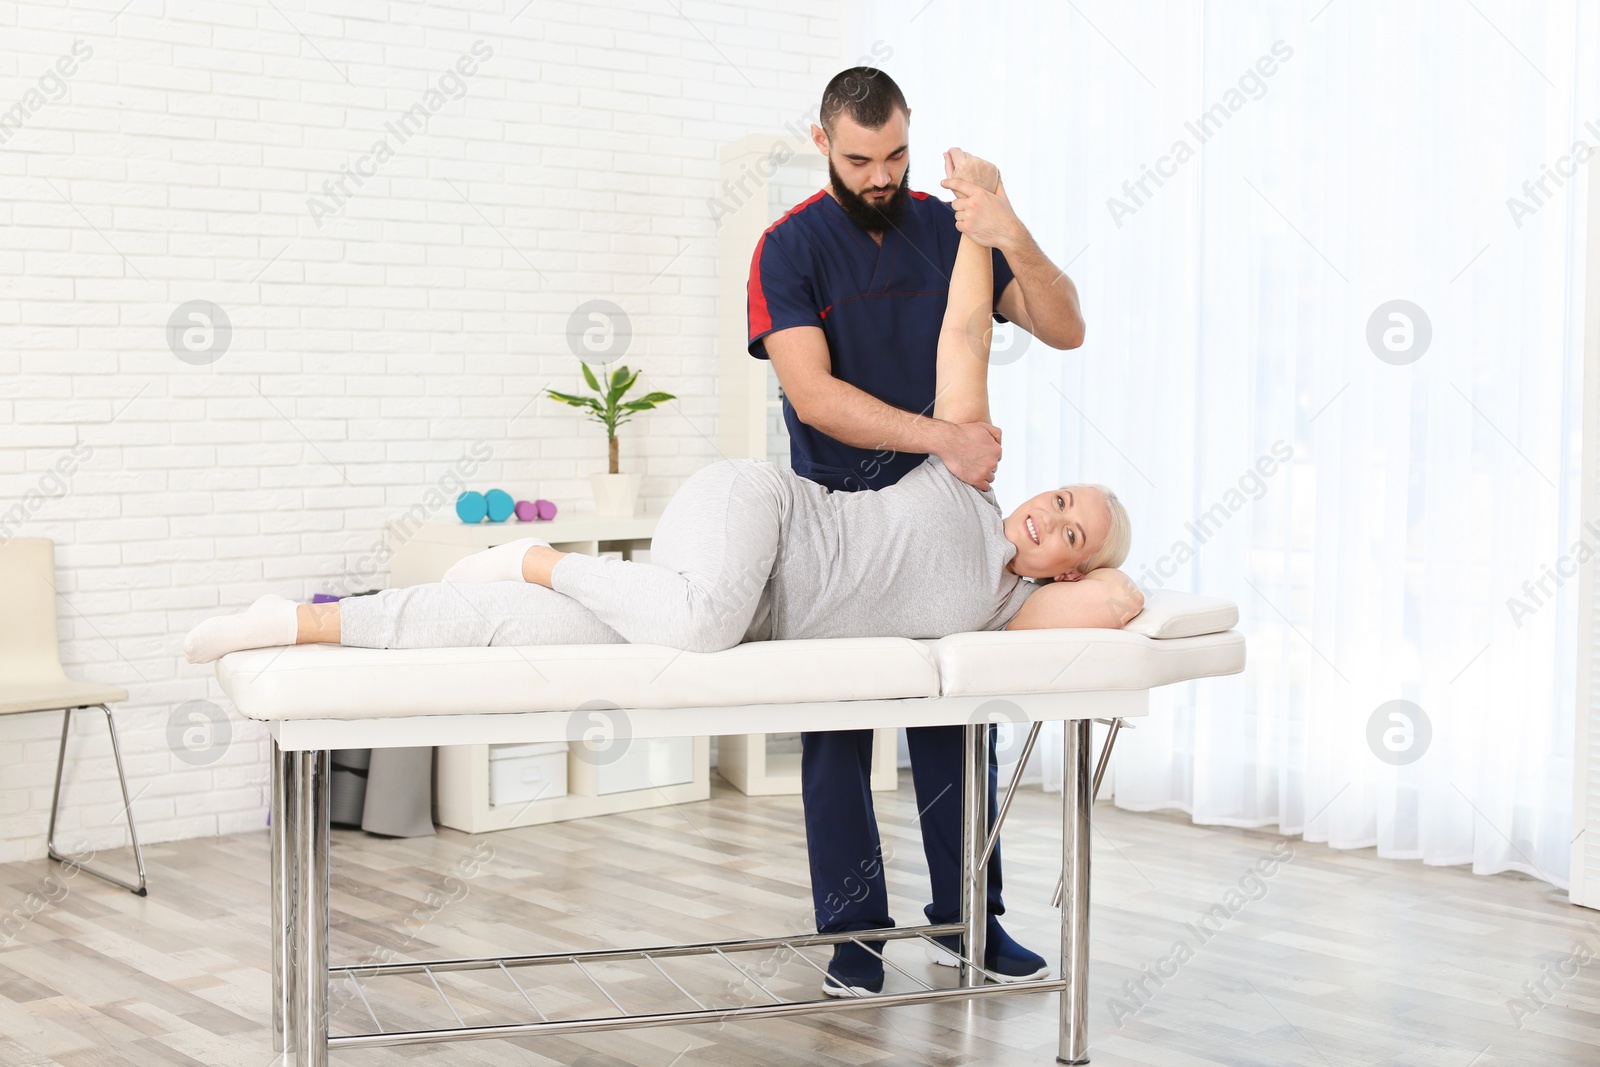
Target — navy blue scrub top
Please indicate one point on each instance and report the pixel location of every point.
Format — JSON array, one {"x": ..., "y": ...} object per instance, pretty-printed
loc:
[{"x": 880, "y": 309}]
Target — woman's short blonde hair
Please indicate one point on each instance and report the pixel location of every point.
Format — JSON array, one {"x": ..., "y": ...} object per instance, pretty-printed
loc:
[{"x": 1119, "y": 539}]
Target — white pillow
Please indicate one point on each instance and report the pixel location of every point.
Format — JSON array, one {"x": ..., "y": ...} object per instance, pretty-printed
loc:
[{"x": 1168, "y": 613}]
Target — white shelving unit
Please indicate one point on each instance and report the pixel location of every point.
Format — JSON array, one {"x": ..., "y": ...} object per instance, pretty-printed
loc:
[
  {"x": 461, "y": 772},
  {"x": 744, "y": 762},
  {"x": 767, "y": 175},
  {"x": 461, "y": 794}
]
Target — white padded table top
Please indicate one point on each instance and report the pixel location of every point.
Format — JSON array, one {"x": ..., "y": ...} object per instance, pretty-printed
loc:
[
  {"x": 327, "y": 681},
  {"x": 328, "y": 696}
]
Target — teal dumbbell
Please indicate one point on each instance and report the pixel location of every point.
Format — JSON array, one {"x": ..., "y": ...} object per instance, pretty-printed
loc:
[
  {"x": 500, "y": 505},
  {"x": 471, "y": 507},
  {"x": 496, "y": 505}
]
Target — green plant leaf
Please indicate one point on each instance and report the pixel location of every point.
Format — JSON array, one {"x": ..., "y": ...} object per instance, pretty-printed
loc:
[
  {"x": 657, "y": 398},
  {"x": 621, "y": 386},
  {"x": 588, "y": 376},
  {"x": 574, "y": 401}
]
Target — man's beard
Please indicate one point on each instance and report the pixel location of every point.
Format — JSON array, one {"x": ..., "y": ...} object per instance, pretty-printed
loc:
[{"x": 874, "y": 218}]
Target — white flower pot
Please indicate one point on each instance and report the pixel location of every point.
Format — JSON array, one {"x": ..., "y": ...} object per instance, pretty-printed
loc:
[{"x": 616, "y": 496}]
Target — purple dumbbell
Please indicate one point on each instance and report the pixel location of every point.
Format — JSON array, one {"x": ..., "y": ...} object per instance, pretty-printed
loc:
[{"x": 535, "y": 510}]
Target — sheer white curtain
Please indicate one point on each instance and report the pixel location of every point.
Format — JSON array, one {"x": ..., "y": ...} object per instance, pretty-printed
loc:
[{"x": 1372, "y": 517}]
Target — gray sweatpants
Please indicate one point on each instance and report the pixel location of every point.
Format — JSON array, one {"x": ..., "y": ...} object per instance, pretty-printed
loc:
[{"x": 703, "y": 591}]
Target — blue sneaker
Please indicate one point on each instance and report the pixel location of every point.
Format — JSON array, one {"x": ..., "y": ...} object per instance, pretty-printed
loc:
[
  {"x": 854, "y": 972},
  {"x": 1002, "y": 956}
]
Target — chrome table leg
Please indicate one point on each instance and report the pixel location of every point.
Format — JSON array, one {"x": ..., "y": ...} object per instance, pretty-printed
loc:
[
  {"x": 1076, "y": 798},
  {"x": 284, "y": 766},
  {"x": 974, "y": 832},
  {"x": 306, "y": 828}
]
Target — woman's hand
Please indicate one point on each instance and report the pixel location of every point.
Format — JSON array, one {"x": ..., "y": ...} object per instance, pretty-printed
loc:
[
  {"x": 969, "y": 168},
  {"x": 983, "y": 211},
  {"x": 985, "y": 217},
  {"x": 971, "y": 450},
  {"x": 1124, "y": 599},
  {"x": 1103, "y": 599}
]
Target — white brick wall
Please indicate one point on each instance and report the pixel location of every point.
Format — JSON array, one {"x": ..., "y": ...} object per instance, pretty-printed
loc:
[{"x": 172, "y": 158}]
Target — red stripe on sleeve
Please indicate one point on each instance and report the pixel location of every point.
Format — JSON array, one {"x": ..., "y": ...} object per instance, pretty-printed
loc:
[{"x": 760, "y": 315}]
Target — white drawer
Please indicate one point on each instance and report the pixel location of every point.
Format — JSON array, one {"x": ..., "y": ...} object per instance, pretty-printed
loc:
[{"x": 521, "y": 773}]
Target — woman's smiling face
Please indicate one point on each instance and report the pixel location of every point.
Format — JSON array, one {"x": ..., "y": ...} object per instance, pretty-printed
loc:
[{"x": 1058, "y": 531}]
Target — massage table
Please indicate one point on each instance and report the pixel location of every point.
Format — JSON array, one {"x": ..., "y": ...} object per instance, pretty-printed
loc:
[{"x": 316, "y": 698}]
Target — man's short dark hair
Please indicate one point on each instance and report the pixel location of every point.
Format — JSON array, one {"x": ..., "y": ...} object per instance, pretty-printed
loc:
[{"x": 866, "y": 94}]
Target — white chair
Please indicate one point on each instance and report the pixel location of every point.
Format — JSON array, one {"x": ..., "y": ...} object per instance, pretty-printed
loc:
[{"x": 31, "y": 678}]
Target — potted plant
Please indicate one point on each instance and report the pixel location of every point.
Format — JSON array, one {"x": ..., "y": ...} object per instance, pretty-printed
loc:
[{"x": 616, "y": 495}]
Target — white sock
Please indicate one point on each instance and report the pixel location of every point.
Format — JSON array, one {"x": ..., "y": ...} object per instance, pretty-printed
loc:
[
  {"x": 502, "y": 563},
  {"x": 270, "y": 621}
]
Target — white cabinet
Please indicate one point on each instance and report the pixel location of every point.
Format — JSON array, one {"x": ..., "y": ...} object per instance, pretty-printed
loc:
[
  {"x": 462, "y": 798},
  {"x": 745, "y": 762},
  {"x": 647, "y": 763}
]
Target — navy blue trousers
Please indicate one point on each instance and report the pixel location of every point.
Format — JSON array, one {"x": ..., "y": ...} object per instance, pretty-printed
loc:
[{"x": 847, "y": 884}]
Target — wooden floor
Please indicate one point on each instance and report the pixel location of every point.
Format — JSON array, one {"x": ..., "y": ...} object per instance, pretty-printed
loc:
[{"x": 1330, "y": 958}]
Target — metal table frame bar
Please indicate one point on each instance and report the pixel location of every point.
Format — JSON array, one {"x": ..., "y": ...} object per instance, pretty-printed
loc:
[{"x": 301, "y": 976}]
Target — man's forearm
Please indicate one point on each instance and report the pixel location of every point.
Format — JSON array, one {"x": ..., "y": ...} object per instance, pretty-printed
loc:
[
  {"x": 855, "y": 417},
  {"x": 1051, "y": 298}
]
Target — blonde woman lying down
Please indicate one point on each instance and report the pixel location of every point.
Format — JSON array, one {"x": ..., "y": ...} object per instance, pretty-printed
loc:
[{"x": 746, "y": 551}]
